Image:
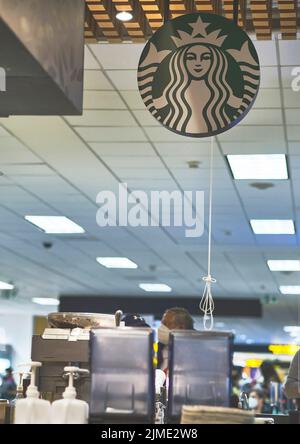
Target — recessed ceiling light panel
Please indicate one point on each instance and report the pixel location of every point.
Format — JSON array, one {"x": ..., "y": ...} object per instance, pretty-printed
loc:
[
  {"x": 258, "y": 166},
  {"x": 55, "y": 224},
  {"x": 116, "y": 262},
  {"x": 290, "y": 289},
  {"x": 272, "y": 226},
  {"x": 45, "y": 301},
  {"x": 284, "y": 265},
  {"x": 6, "y": 286},
  {"x": 160, "y": 288}
]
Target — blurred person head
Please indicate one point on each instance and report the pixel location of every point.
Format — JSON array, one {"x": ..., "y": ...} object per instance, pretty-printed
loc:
[
  {"x": 134, "y": 320},
  {"x": 9, "y": 372},
  {"x": 237, "y": 375},
  {"x": 269, "y": 372},
  {"x": 176, "y": 318},
  {"x": 256, "y": 400}
]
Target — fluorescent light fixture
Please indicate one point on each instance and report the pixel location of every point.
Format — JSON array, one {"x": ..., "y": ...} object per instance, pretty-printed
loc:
[
  {"x": 272, "y": 226},
  {"x": 55, "y": 224},
  {"x": 258, "y": 166},
  {"x": 284, "y": 265},
  {"x": 5, "y": 286},
  {"x": 116, "y": 262},
  {"x": 291, "y": 328},
  {"x": 290, "y": 289},
  {"x": 124, "y": 16},
  {"x": 160, "y": 288},
  {"x": 45, "y": 301}
]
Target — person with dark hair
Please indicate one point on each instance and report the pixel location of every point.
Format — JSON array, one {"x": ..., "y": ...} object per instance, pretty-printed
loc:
[
  {"x": 269, "y": 374},
  {"x": 175, "y": 318},
  {"x": 256, "y": 400},
  {"x": 134, "y": 320},
  {"x": 8, "y": 386}
]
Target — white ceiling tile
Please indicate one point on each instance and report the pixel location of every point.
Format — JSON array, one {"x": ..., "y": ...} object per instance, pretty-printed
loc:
[
  {"x": 294, "y": 161},
  {"x": 291, "y": 98},
  {"x": 263, "y": 117},
  {"x": 156, "y": 184},
  {"x": 182, "y": 162},
  {"x": 103, "y": 118},
  {"x": 294, "y": 148},
  {"x": 292, "y": 116},
  {"x": 145, "y": 118},
  {"x": 201, "y": 148},
  {"x": 4, "y": 132},
  {"x": 133, "y": 99},
  {"x": 111, "y": 134},
  {"x": 123, "y": 149},
  {"x": 200, "y": 174},
  {"x": 266, "y": 52},
  {"x": 95, "y": 79},
  {"x": 33, "y": 169},
  {"x": 295, "y": 169},
  {"x": 286, "y": 76},
  {"x": 13, "y": 151},
  {"x": 142, "y": 173},
  {"x": 118, "y": 56},
  {"x": 268, "y": 98},
  {"x": 293, "y": 133},
  {"x": 253, "y": 134},
  {"x": 289, "y": 52},
  {"x": 271, "y": 147},
  {"x": 124, "y": 79},
  {"x": 102, "y": 100},
  {"x": 269, "y": 77},
  {"x": 133, "y": 162},
  {"x": 161, "y": 134},
  {"x": 89, "y": 60}
]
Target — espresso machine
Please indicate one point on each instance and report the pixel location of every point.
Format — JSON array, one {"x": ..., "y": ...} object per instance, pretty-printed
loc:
[{"x": 67, "y": 343}]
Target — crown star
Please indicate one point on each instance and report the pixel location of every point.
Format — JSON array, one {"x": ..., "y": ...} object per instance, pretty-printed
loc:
[
  {"x": 199, "y": 27},
  {"x": 199, "y": 35}
]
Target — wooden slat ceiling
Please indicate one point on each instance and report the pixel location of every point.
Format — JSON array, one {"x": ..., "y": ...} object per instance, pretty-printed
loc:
[{"x": 263, "y": 17}]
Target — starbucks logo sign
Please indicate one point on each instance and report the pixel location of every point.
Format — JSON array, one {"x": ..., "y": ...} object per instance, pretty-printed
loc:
[{"x": 199, "y": 75}]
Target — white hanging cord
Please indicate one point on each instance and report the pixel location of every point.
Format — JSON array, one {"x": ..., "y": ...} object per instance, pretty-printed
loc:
[{"x": 207, "y": 303}]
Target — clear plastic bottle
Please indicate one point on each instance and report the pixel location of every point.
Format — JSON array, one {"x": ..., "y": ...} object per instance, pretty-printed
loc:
[
  {"x": 32, "y": 409},
  {"x": 70, "y": 410}
]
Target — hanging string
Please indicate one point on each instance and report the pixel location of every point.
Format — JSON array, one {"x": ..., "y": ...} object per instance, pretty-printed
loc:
[{"x": 207, "y": 303}]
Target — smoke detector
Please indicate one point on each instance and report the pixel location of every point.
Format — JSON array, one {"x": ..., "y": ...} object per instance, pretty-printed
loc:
[
  {"x": 193, "y": 163},
  {"x": 261, "y": 185}
]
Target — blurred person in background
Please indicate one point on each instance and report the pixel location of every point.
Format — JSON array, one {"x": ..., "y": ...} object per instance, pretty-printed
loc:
[
  {"x": 269, "y": 375},
  {"x": 134, "y": 320},
  {"x": 256, "y": 401},
  {"x": 292, "y": 383},
  {"x": 237, "y": 377},
  {"x": 175, "y": 318},
  {"x": 8, "y": 386}
]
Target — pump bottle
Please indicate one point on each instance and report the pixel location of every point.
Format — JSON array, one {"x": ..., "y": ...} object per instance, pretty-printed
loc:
[
  {"x": 70, "y": 410},
  {"x": 32, "y": 410}
]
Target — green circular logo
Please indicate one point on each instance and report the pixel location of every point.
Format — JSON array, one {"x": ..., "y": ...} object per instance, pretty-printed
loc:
[{"x": 199, "y": 75}]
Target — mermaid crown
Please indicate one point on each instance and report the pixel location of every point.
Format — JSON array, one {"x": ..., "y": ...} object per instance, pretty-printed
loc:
[{"x": 199, "y": 29}]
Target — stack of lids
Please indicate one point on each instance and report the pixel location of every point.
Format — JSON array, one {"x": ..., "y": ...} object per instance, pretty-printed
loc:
[{"x": 201, "y": 414}]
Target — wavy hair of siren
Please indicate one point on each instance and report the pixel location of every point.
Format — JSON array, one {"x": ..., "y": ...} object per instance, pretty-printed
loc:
[{"x": 180, "y": 111}]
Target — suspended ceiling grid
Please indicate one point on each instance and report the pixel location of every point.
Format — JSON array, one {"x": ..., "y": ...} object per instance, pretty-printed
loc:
[{"x": 262, "y": 17}]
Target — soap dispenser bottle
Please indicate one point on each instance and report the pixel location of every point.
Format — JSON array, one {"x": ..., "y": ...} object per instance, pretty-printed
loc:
[
  {"x": 70, "y": 410},
  {"x": 32, "y": 409},
  {"x": 19, "y": 391}
]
